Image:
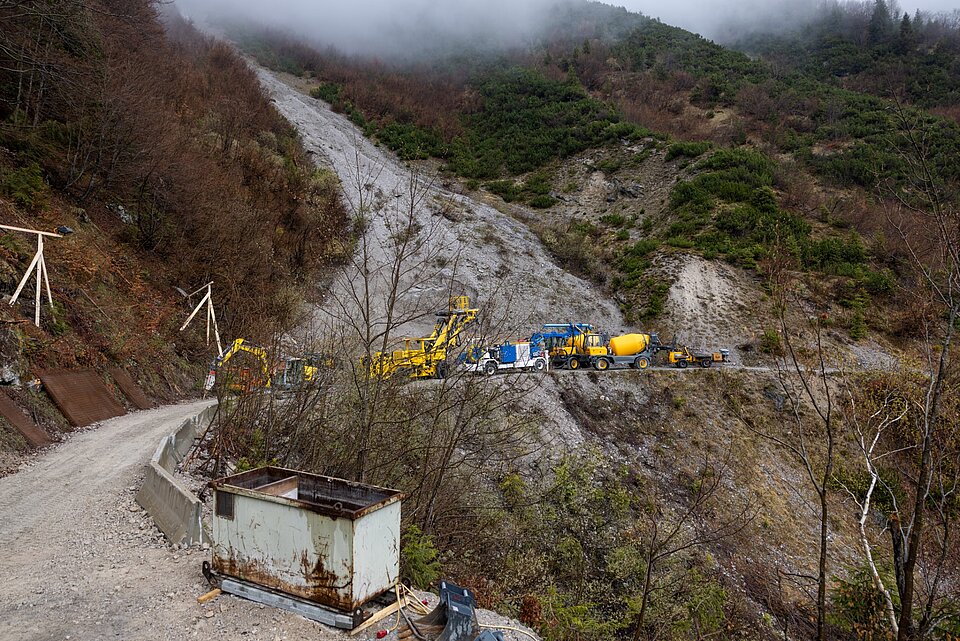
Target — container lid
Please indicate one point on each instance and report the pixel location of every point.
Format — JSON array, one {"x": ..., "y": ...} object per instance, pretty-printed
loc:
[{"x": 326, "y": 495}]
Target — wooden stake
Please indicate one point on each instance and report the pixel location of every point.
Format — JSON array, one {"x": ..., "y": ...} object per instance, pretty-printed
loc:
[
  {"x": 379, "y": 616},
  {"x": 211, "y": 314},
  {"x": 38, "y": 268},
  {"x": 209, "y": 596}
]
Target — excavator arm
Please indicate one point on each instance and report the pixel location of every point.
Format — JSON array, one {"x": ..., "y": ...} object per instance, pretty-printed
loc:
[{"x": 240, "y": 345}]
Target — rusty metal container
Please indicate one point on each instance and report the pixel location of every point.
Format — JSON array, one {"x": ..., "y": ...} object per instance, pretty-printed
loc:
[{"x": 330, "y": 541}]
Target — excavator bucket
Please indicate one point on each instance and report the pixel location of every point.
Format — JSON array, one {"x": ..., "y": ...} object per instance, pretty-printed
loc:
[{"x": 456, "y": 612}]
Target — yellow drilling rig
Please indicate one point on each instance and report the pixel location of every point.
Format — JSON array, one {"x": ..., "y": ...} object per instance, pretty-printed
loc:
[{"x": 427, "y": 357}]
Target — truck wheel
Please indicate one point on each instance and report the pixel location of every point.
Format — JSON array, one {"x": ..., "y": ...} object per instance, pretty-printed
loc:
[
  {"x": 684, "y": 364},
  {"x": 490, "y": 368},
  {"x": 601, "y": 364},
  {"x": 641, "y": 363},
  {"x": 705, "y": 363},
  {"x": 539, "y": 365},
  {"x": 573, "y": 363}
]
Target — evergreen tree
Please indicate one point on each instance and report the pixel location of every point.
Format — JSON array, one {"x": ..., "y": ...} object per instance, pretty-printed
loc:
[
  {"x": 906, "y": 39},
  {"x": 881, "y": 23}
]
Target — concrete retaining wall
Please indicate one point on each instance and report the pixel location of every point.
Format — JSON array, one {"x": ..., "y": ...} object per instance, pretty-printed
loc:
[{"x": 174, "y": 508}]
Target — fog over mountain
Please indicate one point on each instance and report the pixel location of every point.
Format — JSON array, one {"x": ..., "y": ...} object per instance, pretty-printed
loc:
[
  {"x": 418, "y": 27},
  {"x": 719, "y": 19}
]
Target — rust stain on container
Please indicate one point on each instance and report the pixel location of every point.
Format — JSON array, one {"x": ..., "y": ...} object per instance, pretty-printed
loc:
[
  {"x": 129, "y": 388},
  {"x": 30, "y": 431},
  {"x": 81, "y": 396},
  {"x": 330, "y": 541}
]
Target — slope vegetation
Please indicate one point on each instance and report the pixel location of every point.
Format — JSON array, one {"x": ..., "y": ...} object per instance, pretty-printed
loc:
[{"x": 155, "y": 145}]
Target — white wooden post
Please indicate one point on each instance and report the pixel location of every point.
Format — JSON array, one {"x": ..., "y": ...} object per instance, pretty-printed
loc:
[
  {"x": 36, "y": 305},
  {"x": 211, "y": 314},
  {"x": 38, "y": 267}
]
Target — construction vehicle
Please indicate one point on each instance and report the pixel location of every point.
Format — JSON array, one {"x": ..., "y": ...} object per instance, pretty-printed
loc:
[
  {"x": 298, "y": 371},
  {"x": 292, "y": 372},
  {"x": 577, "y": 345},
  {"x": 568, "y": 344},
  {"x": 682, "y": 356},
  {"x": 519, "y": 355},
  {"x": 633, "y": 350},
  {"x": 427, "y": 357}
]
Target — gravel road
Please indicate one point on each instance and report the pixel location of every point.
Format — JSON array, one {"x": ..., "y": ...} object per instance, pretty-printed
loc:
[{"x": 80, "y": 560}]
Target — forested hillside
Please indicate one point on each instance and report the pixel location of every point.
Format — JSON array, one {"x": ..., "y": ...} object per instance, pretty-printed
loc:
[
  {"x": 821, "y": 150},
  {"x": 873, "y": 47},
  {"x": 156, "y": 146}
]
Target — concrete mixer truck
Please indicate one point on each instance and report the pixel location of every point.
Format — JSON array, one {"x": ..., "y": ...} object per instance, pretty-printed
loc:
[
  {"x": 633, "y": 350},
  {"x": 572, "y": 346}
]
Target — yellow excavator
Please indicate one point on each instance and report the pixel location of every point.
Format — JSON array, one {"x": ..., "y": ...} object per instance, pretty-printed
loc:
[
  {"x": 682, "y": 357},
  {"x": 293, "y": 372},
  {"x": 427, "y": 357}
]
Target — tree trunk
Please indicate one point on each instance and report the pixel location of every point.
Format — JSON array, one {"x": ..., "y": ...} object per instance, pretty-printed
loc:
[
  {"x": 645, "y": 598},
  {"x": 924, "y": 475},
  {"x": 822, "y": 567}
]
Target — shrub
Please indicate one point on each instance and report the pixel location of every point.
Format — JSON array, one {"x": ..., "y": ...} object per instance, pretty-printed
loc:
[
  {"x": 688, "y": 149},
  {"x": 506, "y": 189},
  {"x": 410, "y": 142},
  {"x": 328, "y": 92},
  {"x": 25, "y": 186},
  {"x": 613, "y": 220},
  {"x": 418, "y": 558},
  {"x": 543, "y": 201},
  {"x": 771, "y": 343},
  {"x": 879, "y": 283},
  {"x": 858, "y": 607},
  {"x": 858, "y": 325},
  {"x": 609, "y": 165},
  {"x": 526, "y": 120}
]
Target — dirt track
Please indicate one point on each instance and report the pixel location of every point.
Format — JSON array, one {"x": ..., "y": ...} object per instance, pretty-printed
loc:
[{"x": 80, "y": 560}]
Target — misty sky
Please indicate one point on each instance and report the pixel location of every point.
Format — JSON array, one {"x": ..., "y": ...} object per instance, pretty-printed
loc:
[
  {"x": 704, "y": 16},
  {"x": 376, "y": 26}
]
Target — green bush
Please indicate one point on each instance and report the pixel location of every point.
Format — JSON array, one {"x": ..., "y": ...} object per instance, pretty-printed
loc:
[
  {"x": 506, "y": 189},
  {"x": 609, "y": 165},
  {"x": 688, "y": 149},
  {"x": 538, "y": 183},
  {"x": 527, "y": 119},
  {"x": 25, "y": 186},
  {"x": 410, "y": 142},
  {"x": 328, "y": 92},
  {"x": 613, "y": 220},
  {"x": 858, "y": 606},
  {"x": 858, "y": 325},
  {"x": 542, "y": 202},
  {"x": 878, "y": 283},
  {"x": 419, "y": 564},
  {"x": 771, "y": 343}
]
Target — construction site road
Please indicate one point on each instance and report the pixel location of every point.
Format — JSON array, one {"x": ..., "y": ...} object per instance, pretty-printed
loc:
[{"x": 81, "y": 561}]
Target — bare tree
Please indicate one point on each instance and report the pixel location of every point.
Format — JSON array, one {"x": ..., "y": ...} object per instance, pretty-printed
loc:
[
  {"x": 668, "y": 534},
  {"x": 927, "y": 221},
  {"x": 871, "y": 418},
  {"x": 810, "y": 439},
  {"x": 398, "y": 249}
]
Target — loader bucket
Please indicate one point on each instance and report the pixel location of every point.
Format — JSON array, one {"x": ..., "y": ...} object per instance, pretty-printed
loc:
[{"x": 456, "y": 612}]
